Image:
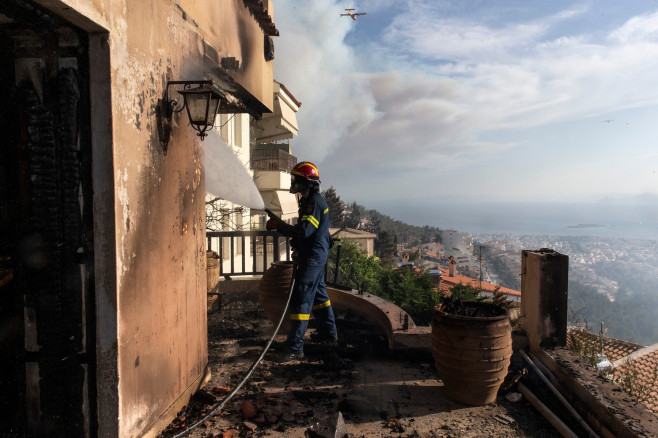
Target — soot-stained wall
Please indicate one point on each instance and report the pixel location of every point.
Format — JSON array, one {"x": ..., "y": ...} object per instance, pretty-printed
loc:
[{"x": 149, "y": 207}]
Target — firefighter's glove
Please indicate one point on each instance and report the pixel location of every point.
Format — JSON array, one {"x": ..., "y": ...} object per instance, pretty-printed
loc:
[{"x": 272, "y": 224}]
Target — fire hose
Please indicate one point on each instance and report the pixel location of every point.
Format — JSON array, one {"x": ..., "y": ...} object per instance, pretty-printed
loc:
[{"x": 230, "y": 395}]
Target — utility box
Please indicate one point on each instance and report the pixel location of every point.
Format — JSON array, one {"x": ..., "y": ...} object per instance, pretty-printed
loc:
[{"x": 544, "y": 286}]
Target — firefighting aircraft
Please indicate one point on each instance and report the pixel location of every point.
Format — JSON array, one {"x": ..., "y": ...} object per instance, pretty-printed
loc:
[{"x": 351, "y": 13}]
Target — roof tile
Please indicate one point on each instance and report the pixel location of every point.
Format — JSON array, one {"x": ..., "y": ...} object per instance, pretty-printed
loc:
[
  {"x": 448, "y": 282},
  {"x": 639, "y": 374}
]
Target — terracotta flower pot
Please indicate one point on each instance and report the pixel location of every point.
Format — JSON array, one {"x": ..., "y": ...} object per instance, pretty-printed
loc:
[
  {"x": 212, "y": 269},
  {"x": 472, "y": 353},
  {"x": 273, "y": 292}
]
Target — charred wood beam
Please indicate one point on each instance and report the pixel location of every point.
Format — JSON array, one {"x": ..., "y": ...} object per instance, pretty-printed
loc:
[{"x": 259, "y": 9}]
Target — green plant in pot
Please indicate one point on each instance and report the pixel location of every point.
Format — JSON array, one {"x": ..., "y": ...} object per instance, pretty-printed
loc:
[{"x": 472, "y": 348}]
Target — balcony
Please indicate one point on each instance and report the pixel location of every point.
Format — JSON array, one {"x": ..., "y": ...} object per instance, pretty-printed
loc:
[
  {"x": 271, "y": 164},
  {"x": 272, "y": 158}
]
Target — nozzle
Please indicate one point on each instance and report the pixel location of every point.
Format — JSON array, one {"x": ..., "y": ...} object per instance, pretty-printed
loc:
[{"x": 272, "y": 215}]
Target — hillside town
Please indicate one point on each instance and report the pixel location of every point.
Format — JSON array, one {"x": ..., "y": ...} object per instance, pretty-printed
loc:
[
  {"x": 455, "y": 261},
  {"x": 601, "y": 263}
]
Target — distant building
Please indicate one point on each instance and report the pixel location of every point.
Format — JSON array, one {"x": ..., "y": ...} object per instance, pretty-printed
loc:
[
  {"x": 435, "y": 250},
  {"x": 364, "y": 239},
  {"x": 471, "y": 273},
  {"x": 452, "y": 238}
]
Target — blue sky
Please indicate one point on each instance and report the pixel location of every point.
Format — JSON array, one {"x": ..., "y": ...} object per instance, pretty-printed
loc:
[{"x": 509, "y": 100}]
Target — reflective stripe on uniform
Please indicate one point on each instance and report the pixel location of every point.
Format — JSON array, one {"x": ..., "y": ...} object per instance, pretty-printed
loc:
[
  {"x": 300, "y": 316},
  {"x": 312, "y": 220},
  {"x": 322, "y": 305},
  {"x": 326, "y": 210}
]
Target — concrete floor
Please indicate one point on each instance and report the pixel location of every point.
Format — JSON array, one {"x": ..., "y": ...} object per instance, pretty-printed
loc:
[{"x": 378, "y": 393}]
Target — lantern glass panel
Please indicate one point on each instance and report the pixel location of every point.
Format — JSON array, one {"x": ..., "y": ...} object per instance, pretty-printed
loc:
[
  {"x": 197, "y": 106},
  {"x": 214, "y": 106}
]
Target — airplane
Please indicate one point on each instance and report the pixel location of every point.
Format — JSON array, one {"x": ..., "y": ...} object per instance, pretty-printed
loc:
[{"x": 352, "y": 14}]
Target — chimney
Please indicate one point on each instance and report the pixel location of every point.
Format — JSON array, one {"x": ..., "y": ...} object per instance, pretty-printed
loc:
[{"x": 452, "y": 267}]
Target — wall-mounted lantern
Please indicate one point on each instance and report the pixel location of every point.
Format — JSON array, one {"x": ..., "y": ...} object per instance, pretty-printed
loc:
[{"x": 202, "y": 103}]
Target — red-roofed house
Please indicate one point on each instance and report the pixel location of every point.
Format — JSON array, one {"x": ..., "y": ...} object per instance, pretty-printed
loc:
[{"x": 488, "y": 289}]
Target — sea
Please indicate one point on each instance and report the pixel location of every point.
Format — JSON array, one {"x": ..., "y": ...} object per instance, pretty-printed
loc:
[{"x": 626, "y": 219}]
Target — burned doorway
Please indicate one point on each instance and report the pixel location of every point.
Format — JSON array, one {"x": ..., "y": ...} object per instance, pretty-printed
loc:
[{"x": 46, "y": 227}]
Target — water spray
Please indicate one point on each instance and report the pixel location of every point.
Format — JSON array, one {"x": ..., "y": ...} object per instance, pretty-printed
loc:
[{"x": 222, "y": 165}]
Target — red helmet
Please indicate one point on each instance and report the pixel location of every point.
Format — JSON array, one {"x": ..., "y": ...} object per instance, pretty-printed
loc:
[{"x": 307, "y": 170}]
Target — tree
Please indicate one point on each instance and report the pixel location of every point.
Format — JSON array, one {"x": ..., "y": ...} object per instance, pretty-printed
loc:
[
  {"x": 374, "y": 225},
  {"x": 336, "y": 207},
  {"x": 426, "y": 236},
  {"x": 356, "y": 269},
  {"x": 353, "y": 219},
  {"x": 224, "y": 216},
  {"x": 464, "y": 292},
  {"x": 410, "y": 290},
  {"x": 415, "y": 256},
  {"x": 385, "y": 248}
]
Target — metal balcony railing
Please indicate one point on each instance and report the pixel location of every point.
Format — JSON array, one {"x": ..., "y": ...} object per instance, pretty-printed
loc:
[
  {"x": 264, "y": 248},
  {"x": 273, "y": 159},
  {"x": 256, "y": 250}
]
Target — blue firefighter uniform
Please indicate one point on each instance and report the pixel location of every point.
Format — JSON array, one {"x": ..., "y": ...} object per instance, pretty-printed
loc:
[{"x": 310, "y": 238}]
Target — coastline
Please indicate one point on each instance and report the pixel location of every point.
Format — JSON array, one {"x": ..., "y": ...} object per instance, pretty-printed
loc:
[{"x": 627, "y": 221}]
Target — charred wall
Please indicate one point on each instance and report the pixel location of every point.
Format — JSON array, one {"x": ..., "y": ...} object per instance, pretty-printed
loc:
[{"x": 47, "y": 223}]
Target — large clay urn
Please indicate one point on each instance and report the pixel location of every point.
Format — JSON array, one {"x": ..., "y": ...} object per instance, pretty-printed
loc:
[
  {"x": 273, "y": 292},
  {"x": 472, "y": 353}
]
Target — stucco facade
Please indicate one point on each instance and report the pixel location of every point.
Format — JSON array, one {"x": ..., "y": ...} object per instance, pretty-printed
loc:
[{"x": 149, "y": 266}]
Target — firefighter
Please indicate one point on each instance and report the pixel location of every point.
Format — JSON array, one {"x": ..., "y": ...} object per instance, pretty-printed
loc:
[{"x": 310, "y": 242}]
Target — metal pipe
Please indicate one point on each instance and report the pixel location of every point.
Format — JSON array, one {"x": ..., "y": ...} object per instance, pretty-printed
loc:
[
  {"x": 549, "y": 375},
  {"x": 562, "y": 428},
  {"x": 557, "y": 393},
  {"x": 230, "y": 395}
]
